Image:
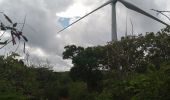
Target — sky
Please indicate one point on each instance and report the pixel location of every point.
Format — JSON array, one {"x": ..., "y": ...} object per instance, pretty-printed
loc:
[{"x": 46, "y": 17}]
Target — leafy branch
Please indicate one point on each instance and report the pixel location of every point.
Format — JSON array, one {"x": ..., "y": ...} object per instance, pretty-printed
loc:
[{"x": 14, "y": 31}]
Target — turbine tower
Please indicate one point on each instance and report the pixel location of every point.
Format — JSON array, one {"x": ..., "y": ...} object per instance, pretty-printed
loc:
[{"x": 114, "y": 23}]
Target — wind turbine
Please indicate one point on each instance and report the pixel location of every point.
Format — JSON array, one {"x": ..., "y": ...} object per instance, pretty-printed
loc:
[{"x": 114, "y": 23}]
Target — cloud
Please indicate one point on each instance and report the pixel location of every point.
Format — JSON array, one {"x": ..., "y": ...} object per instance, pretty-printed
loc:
[
  {"x": 142, "y": 23},
  {"x": 96, "y": 28},
  {"x": 42, "y": 24}
]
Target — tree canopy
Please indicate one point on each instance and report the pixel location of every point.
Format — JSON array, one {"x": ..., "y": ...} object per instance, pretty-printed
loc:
[{"x": 134, "y": 68}]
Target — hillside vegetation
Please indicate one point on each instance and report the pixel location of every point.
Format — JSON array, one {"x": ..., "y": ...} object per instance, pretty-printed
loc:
[{"x": 134, "y": 68}]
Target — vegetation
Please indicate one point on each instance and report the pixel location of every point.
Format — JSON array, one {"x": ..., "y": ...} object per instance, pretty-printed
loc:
[
  {"x": 134, "y": 68},
  {"x": 14, "y": 31}
]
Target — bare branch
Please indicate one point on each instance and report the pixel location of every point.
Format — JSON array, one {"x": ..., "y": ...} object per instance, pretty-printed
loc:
[
  {"x": 162, "y": 13},
  {"x": 17, "y": 46},
  {"x": 132, "y": 26},
  {"x": 24, "y": 23},
  {"x": 126, "y": 27},
  {"x": 165, "y": 11},
  {"x": 6, "y": 44}
]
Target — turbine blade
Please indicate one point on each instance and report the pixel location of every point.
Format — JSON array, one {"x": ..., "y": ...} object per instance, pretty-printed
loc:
[
  {"x": 135, "y": 8},
  {"x": 110, "y": 1}
]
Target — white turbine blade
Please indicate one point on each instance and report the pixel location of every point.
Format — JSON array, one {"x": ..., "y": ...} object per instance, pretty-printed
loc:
[
  {"x": 135, "y": 8},
  {"x": 110, "y": 1}
]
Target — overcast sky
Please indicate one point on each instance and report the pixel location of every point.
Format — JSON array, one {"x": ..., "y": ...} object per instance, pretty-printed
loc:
[{"x": 46, "y": 17}]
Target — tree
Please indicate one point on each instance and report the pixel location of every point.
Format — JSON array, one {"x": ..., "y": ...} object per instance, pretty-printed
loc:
[
  {"x": 129, "y": 55},
  {"x": 88, "y": 63}
]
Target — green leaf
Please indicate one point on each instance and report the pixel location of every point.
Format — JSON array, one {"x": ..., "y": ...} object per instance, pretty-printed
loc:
[
  {"x": 15, "y": 25},
  {"x": 9, "y": 20},
  {"x": 3, "y": 43},
  {"x": 25, "y": 38}
]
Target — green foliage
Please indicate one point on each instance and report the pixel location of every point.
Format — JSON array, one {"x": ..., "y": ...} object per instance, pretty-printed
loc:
[
  {"x": 14, "y": 31},
  {"x": 134, "y": 68},
  {"x": 20, "y": 82},
  {"x": 87, "y": 63}
]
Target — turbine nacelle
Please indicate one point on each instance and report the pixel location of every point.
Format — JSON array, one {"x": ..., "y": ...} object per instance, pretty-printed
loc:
[{"x": 114, "y": 0}]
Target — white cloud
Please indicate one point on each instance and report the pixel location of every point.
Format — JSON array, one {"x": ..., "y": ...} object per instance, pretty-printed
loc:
[{"x": 75, "y": 10}]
